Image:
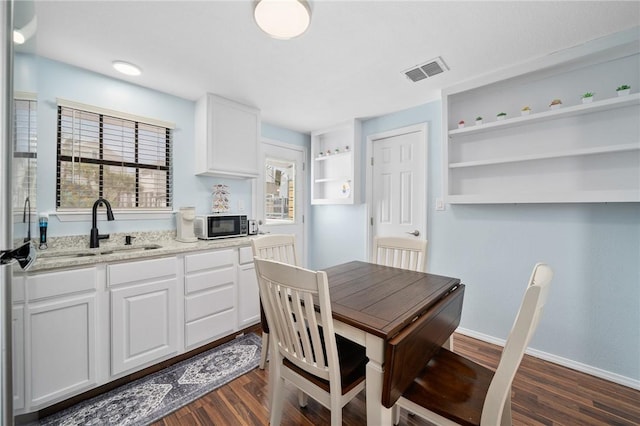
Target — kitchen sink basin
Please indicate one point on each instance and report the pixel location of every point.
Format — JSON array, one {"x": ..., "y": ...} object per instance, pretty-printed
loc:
[
  {"x": 95, "y": 252},
  {"x": 129, "y": 249},
  {"x": 52, "y": 254}
]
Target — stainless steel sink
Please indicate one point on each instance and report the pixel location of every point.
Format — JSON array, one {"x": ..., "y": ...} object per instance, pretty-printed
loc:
[
  {"x": 128, "y": 249},
  {"x": 95, "y": 252}
]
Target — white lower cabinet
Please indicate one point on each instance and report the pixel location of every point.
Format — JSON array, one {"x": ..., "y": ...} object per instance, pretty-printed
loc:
[
  {"x": 143, "y": 312},
  {"x": 209, "y": 296},
  {"x": 248, "y": 294},
  {"x": 60, "y": 335},
  {"x": 17, "y": 318},
  {"x": 76, "y": 329}
]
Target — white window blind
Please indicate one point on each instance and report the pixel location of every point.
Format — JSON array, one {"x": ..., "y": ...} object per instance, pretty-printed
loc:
[
  {"x": 25, "y": 144},
  {"x": 127, "y": 162}
]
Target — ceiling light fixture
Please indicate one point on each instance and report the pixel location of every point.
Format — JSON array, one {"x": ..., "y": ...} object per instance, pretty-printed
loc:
[
  {"x": 126, "y": 68},
  {"x": 282, "y": 19},
  {"x": 21, "y": 35}
]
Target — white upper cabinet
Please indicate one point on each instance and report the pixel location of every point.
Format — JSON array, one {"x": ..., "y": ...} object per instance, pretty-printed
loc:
[
  {"x": 335, "y": 164},
  {"x": 227, "y": 135},
  {"x": 579, "y": 152}
]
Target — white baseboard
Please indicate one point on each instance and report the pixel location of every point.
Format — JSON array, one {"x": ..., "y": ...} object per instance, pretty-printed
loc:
[{"x": 574, "y": 365}]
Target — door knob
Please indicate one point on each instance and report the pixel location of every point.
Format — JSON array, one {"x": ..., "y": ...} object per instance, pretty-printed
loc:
[{"x": 415, "y": 233}]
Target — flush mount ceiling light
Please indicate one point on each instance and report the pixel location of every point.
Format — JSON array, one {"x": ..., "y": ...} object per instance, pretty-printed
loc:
[
  {"x": 282, "y": 19},
  {"x": 21, "y": 35},
  {"x": 126, "y": 68}
]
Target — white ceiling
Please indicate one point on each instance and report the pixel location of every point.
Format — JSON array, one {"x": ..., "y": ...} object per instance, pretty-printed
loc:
[{"x": 347, "y": 65}]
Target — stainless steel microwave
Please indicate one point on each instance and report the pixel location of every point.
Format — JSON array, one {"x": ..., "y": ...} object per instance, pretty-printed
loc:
[{"x": 212, "y": 226}]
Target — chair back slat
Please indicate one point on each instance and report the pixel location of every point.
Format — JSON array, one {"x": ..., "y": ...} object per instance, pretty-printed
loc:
[
  {"x": 398, "y": 252},
  {"x": 288, "y": 293},
  {"x": 279, "y": 247}
]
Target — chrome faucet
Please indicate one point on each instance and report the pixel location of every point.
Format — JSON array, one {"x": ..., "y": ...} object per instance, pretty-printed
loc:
[{"x": 95, "y": 237}]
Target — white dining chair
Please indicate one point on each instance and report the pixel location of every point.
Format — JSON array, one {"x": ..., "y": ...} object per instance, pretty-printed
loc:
[
  {"x": 400, "y": 252},
  {"x": 307, "y": 352},
  {"x": 280, "y": 247},
  {"x": 453, "y": 390}
]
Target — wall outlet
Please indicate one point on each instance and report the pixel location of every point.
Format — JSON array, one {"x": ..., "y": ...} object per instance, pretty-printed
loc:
[
  {"x": 439, "y": 204},
  {"x": 240, "y": 205}
]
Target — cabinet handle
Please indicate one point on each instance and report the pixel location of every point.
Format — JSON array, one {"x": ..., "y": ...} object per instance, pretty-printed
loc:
[{"x": 415, "y": 233}]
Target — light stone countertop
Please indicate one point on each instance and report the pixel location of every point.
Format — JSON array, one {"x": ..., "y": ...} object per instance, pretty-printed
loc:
[{"x": 74, "y": 251}]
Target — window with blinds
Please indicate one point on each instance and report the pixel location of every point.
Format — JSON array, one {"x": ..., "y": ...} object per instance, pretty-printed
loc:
[
  {"x": 25, "y": 144},
  {"x": 126, "y": 161}
]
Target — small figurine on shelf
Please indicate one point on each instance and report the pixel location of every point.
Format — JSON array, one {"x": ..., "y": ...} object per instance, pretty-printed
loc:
[
  {"x": 337, "y": 150},
  {"x": 555, "y": 104},
  {"x": 460, "y": 124},
  {"x": 328, "y": 152},
  {"x": 587, "y": 97},
  {"x": 623, "y": 90},
  {"x": 346, "y": 148},
  {"x": 478, "y": 120},
  {"x": 501, "y": 116},
  {"x": 321, "y": 154},
  {"x": 526, "y": 110}
]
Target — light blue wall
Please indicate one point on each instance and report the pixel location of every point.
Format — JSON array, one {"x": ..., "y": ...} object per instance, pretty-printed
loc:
[
  {"x": 52, "y": 80},
  {"x": 594, "y": 309},
  {"x": 592, "y": 317},
  {"x": 280, "y": 134}
]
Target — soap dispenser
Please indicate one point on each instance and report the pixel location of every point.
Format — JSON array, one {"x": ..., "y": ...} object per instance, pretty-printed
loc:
[{"x": 43, "y": 221}]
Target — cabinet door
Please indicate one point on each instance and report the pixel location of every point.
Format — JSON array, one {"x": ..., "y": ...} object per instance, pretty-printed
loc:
[
  {"x": 17, "y": 314},
  {"x": 62, "y": 348},
  {"x": 248, "y": 296},
  {"x": 227, "y": 135},
  {"x": 143, "y": 324}
]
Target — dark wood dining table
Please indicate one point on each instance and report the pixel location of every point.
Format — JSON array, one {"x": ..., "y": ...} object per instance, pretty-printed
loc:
[{"x": 371, "y": 304}]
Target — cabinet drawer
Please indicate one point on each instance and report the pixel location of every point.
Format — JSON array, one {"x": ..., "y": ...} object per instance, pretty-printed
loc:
[
  {"x": 209, "y": 260},
  {"x": 209, "y": 279},
  {"x": 54, "y": 284},
  {"x": 246, "y": 255},
  {"x": 209, "y": 328},
  {"x": 122, "y": 273},
  {"x": 209, "y": 303}
]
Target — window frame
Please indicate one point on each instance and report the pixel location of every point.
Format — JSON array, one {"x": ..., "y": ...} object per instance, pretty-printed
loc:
[
  {"x": 101, "y": 162},
  {"x": 30, "y": 156}
]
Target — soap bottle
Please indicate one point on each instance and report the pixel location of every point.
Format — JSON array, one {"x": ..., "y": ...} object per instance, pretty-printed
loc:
[{"x": 43, "y": 220}]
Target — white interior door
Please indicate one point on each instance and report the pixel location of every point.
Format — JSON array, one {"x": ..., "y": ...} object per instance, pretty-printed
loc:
[
  {"x": 397, "y": 182},
  {"x": 280, "y": 192}
]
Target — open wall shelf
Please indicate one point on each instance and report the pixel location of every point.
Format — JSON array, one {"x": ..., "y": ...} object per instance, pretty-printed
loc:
[{"x": 579, "y": 153}]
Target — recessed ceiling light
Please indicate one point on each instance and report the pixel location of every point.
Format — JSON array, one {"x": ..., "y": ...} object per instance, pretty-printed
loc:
[
  {"x": 126, "y": 68},
  {"x": 283, "y": 19}
]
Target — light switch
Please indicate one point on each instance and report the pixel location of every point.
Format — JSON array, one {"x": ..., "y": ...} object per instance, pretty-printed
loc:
[
  {"x": 240, "y": 205},
  {"x": 439, "y": 204}
]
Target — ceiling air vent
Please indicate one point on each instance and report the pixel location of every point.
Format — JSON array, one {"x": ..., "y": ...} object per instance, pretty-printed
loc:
[{"x": 428, "y": 69}]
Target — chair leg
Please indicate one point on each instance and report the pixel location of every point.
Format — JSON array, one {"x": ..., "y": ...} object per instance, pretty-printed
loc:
[
  {"x": 303, "y": 399},
  {"x": 336, "y": 409},
  {"x": 264, "y": 351},
  {"x": 277, "y": 402}
]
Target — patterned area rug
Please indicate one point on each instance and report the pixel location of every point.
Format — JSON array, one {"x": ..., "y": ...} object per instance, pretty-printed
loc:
[{"x": 152, "y": 397}]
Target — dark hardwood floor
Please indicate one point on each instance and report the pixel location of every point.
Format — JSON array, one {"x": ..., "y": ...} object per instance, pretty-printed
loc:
[{"x": 543, "y": 393}]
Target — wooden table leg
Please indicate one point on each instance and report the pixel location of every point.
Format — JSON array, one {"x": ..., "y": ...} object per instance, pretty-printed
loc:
[{"x": 377, "y": 414}]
